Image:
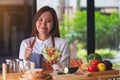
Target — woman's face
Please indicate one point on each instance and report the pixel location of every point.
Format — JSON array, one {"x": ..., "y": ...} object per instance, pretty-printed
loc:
[{"x": 44, "y": 24}]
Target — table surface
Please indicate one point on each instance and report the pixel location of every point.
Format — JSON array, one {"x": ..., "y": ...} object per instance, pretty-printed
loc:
[{"x": 15, "y": 76}]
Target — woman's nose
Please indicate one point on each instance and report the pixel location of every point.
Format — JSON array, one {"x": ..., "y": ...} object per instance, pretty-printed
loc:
[{"x": 43, "y": 23}]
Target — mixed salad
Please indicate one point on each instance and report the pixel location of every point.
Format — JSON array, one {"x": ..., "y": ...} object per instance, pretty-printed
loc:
[{"x": 51, "y": 54}]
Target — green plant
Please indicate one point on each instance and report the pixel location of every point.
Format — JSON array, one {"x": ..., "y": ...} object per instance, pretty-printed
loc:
[
  {"x": 106, "y": 53},
  {"x": 107, "y": 28},
  {"x": 76, "y": 29}
]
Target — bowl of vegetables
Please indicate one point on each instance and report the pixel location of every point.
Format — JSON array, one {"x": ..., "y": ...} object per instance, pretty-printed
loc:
[{"x": 51, "y": 54}]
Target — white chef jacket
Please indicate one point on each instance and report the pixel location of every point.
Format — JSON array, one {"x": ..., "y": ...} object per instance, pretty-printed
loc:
[{"x": 39, "y": 45}]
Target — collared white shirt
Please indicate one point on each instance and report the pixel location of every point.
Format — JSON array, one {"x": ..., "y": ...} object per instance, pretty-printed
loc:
[{"x": 39, "y": 45}]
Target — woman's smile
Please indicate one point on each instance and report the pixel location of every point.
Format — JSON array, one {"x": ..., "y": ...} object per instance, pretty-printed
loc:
[{"x": 43, "y": 29}]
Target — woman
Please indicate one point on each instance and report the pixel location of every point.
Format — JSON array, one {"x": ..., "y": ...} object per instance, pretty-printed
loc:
[{"x": 45, "y": 33}]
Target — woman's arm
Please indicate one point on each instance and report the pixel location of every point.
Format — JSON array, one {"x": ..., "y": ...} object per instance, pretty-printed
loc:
[{"x": 65, "y": 55}]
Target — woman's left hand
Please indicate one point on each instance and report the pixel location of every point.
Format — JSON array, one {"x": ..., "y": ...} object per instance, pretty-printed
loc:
[
  {"x": 51, "y": 62},
  {"x": 46, "y": 65}
]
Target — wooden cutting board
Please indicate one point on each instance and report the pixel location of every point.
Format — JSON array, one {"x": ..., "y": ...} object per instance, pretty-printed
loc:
[{"x": 69, "y": 76}]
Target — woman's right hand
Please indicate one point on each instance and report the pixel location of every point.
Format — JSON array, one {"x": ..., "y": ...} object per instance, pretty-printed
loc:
[{"x": 28, "y": 51}]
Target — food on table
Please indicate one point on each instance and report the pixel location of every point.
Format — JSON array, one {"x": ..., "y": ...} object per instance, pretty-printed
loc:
[
  {"x": 94, "y": 62},
  {"x": 51, "y": 54},
  {"x": 71, "y": 69},
  {"x": 77, "y": 62},
  {"x": 101, "y": 67},
  {"x": 84, "y": 67},
  {"x": 35, "y": 74},
  {"x": 97, "y": 64},
  {"x": 92, "y": 68},
  {"x": 93, "y": 56},
  {"x": 93, "y": 65},
  {"x": 60, "y": 73},
  {"x": 108, "y": 64},
  {"x": 66, "y": 70}
]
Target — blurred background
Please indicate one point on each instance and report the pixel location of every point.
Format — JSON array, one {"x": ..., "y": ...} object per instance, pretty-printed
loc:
[{"x": 88, "y": 27}]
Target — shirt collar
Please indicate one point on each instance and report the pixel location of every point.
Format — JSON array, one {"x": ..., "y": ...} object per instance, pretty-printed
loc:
[{"x": 45, "y": 41}]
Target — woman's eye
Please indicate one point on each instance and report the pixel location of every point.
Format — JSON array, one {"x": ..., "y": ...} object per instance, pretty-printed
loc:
[
  {"x": 39, "y": 19},
  {"x": 45, "y": 20},
  {"x": 49, "y": 21}
]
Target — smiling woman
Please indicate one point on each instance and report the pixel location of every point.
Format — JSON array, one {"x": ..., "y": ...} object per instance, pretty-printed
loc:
[{"x": 45, "y": 34}]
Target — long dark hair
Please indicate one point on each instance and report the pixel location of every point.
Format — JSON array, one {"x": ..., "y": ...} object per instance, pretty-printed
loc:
[{"x": 55, "y": 29}]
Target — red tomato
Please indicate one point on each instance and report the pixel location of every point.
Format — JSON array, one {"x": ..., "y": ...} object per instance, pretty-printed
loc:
[
  {"x": 50, "y": 52},
  {"x": 92, "y": 68},
  {"x": 94, "y": 62}
]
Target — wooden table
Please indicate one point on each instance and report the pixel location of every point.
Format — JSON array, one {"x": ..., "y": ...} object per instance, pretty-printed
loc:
[{"x": 15, "y": 76}]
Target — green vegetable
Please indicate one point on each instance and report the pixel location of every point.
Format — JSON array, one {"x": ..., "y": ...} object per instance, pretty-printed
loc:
[
  {"x": 44, "y": 50},
  {"x": 60, "y": 73},
  {"x": 93, "y": 56}
]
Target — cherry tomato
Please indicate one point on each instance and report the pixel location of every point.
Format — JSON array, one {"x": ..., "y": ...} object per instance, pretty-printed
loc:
[
  {"x": 92, "y": 68},
  {"x": 94, "y": 62},
  {"x": 50, "y": 52}
]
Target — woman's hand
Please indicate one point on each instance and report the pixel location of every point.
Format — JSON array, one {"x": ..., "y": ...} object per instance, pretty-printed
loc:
[
  {"x": 51, "y": 62},
  {"x": 28, "y": 51},
  {"x": 46, "y": 65}
]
